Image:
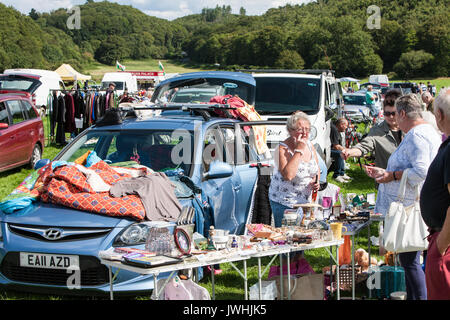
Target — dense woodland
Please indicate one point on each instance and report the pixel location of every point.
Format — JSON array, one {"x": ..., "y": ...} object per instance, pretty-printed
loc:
[{"x": 413, "y": 39}]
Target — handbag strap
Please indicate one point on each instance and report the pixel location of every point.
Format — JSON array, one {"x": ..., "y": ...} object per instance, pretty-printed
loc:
[{"x": 402, "y": 187}]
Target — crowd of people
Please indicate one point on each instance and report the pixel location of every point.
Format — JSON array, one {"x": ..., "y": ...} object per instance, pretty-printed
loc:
[{"x": 404, "y": 143}]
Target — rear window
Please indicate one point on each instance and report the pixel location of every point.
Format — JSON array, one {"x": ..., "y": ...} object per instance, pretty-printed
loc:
[
  {"x": 21, "y": 84},
  {"x": 276, "y": 95},
  {"x": 358, "y": 100}
]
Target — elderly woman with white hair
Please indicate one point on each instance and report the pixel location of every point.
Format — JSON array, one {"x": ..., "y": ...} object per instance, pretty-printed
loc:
[
  {"x": 296, "y": 173},
  {"x": 415, "y": 153}
]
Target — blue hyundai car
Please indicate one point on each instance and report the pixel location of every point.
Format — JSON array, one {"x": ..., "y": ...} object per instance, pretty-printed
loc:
[{"x": 211, "y": 160}]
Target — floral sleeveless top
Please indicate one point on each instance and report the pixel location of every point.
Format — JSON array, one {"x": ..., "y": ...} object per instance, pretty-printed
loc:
[{"x": 299, "y": 189}]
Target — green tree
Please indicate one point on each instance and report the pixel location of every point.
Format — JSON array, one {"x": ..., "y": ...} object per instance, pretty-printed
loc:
[
  {"x": 289, "y": 59},
  {"x": 413, "y": 64}
]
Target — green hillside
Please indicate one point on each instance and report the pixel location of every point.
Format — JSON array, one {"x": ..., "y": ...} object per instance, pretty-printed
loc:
[{"x": 413, "y": 40}]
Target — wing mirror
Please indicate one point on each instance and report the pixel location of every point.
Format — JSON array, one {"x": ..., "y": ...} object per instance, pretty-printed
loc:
[
  {"x": 218, "y": 169},
  {"x": 3, "y": 125}
]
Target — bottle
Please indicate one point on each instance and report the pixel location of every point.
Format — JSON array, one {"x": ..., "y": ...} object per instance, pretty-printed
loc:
[
  {"x": 314, "y": 193},
  {"x": 234, "y": 243}
]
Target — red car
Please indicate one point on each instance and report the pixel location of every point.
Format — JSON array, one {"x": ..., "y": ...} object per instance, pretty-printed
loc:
[{"x": 21, "y": 132}]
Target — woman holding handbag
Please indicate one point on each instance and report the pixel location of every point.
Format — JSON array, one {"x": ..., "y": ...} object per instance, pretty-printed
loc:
[{"x": 414, "y": 155}]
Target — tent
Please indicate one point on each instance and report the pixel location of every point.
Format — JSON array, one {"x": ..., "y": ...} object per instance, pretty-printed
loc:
[{"x": 67, "y": 73}]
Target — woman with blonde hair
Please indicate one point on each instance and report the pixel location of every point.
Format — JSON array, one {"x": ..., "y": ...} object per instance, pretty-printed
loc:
[{"x": 296, "y": 172}]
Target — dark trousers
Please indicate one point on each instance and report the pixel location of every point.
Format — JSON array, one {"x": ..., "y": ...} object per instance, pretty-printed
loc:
[
  {"x": 338, "y": 166},
  {"x": 416, "y": 288}
]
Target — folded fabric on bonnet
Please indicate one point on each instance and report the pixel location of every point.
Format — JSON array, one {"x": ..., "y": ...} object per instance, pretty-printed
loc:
[{"x": 73, "y": 185}]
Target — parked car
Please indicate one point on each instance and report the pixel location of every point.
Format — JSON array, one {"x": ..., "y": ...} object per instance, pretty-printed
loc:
[
  {"x": 355, "y": 107},
  {"x": 380, "y": 79},
  {"x": 123, "y": 81},
  {"x": 316, "y": 92},
  {"x": 21, "y": 132},
  {"x": 406, "y": 87},
  {"x": 49, "y": 80},
  {"x": 192, "y": 95},
  {"x": 218, "y": 158}
]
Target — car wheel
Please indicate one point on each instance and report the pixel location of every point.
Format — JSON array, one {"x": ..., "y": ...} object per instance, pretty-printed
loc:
[{"x": 36, "y": 155}]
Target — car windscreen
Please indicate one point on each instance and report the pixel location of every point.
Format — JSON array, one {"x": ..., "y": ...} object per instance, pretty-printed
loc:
[
  {"x": 159, "y": 150},
  {"x": 357, "y": 100},
  {"x": 275, "y": 95},
  {"x": 193, "y": 95},
  {"x": 119, "y": 85},
  {"x": 18, "y": 83},
  {"x": 202, "y": 90}
]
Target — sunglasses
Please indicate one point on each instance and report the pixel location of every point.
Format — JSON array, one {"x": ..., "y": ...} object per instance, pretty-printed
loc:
[{"x": 388, "y": 114}]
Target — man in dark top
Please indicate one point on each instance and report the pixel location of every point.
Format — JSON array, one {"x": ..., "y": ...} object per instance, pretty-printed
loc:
[
  {"x": 435, "y": 208},
  {"x": 383, "y": 138},
  {"x": 337, "y": 137}
]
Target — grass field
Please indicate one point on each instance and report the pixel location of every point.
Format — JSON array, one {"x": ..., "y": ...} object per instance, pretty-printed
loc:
[
  {"x": 97, "y": 70},
  {"x": 229, "y": 285}
]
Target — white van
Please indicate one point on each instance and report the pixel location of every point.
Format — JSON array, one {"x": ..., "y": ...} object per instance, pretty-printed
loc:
[
  {"x": 315, "y": 92},
  {"x": 122, "y": 80},
  {"x": 381, "y": 79},
  {"x": 49, "y": 80}
]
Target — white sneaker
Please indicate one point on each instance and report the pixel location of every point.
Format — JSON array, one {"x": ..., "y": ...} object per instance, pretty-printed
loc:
[
  {"x": 341, "y": 179},
  {"x": 346, "y": 177}
]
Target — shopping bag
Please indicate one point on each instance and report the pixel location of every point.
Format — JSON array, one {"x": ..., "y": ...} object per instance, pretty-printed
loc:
[
  {"x": 303, "y": 287},
  {"x": 268, "y": 291},
  {"x": 405, "y": 229}
]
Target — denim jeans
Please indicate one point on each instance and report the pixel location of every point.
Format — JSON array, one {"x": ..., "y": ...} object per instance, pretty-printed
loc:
[
  {"x": 278, "y": 212},
  {"x": 338, "y": 166},
  {"x": 416, "y": 288}
]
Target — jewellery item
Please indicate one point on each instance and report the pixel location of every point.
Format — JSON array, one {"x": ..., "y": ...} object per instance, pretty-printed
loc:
[
  {"x": 298, "y": 151},
  {"x": 393, "y": 173}
]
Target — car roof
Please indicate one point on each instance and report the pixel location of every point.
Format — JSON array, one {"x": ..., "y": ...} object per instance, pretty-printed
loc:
[
  {"x": 168, "y": 120},
  {"x": 358, "y": 93},
  {"x": 11, "y": 95},
  {"x": 25, "y": 75},
  {"x": 229, "y": 75},
  {"x": 286, "y": 75}
]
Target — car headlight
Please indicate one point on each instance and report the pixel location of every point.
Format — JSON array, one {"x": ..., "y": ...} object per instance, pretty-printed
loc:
[
  {"x": 312, "y": 133},
  {"x": 132, "y": 235}
]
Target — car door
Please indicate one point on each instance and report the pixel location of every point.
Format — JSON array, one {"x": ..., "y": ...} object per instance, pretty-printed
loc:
[
  {"x": 6, "y": 136},
  {"x": 21, "y": 143},
  {"x": 248, "y": 161},
  {"x": 221, "y": 191}
]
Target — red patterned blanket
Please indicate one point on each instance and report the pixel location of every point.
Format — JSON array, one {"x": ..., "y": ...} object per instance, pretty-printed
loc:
[{"x": 67, "y": 186}]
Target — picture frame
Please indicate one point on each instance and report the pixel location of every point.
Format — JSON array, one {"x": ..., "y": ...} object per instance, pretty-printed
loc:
[{"x": 182, "y": 241}]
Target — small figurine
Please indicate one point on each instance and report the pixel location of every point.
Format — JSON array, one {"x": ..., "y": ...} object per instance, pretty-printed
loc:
[{"x": 210, "y": 238}]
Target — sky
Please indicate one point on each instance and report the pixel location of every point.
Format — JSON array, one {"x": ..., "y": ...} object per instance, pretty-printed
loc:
[{"x": 166, "y": 9}]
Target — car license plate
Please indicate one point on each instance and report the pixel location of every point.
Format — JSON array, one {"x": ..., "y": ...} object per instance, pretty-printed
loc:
[{"x": 48, "y": 261}]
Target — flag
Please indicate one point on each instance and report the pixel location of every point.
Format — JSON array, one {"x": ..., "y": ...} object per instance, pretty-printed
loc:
[
  {"x": 119, "y": 66},
  {"x": 161, "y": 67}
]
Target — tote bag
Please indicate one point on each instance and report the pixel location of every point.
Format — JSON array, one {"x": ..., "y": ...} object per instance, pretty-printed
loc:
[{"x": 405, "y": 230}]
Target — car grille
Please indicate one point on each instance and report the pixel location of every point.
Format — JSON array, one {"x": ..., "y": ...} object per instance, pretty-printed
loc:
[
  {"x": 64, "y": 233},
  {"x": 92, "y": 272}
]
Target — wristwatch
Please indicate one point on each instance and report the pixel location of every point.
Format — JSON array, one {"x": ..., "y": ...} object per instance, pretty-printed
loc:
[{"x": 298, "y": 151}]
